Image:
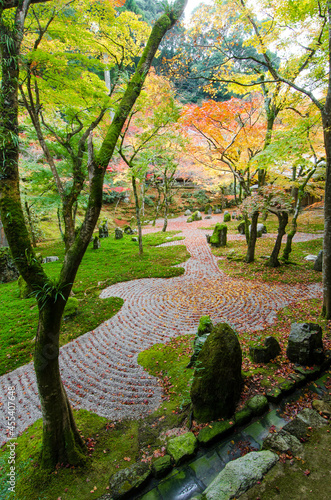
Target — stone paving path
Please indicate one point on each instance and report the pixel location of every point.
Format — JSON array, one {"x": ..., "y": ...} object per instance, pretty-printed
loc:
[{"x": 100, "y": 370}]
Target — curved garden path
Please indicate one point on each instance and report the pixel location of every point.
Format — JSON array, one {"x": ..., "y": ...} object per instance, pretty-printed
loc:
[{"x": 100, "y": 370}]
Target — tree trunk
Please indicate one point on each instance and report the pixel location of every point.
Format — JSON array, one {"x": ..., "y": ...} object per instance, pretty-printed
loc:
[
  {"x": 165, "y": 223},
  {"x": 326, "y": 310},
  {"x": 252, "y": 239},
  {"x": 32, "y": 232},
  {"x": 62, "y": 442},
  {"x": 136, "y": 202},
  {"x": 282, "y": 220}
]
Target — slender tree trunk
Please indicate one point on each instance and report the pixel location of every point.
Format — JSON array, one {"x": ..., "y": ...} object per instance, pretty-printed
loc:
[
  {"x": 158, "y": 207},
  {"x": 282, "y": 223},
  {"x": 62, "y": 442},
  {"x": 250, "y": 255},
  {"x": 32, "y": 231},
  {"x": 136, "y": 202},
  {"x": 165, "y": 223},
  {"x": 59, "y": 223},
  {"x": 326, "y": 310}
]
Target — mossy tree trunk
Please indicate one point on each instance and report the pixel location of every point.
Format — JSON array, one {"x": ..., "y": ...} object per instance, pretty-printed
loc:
[
  {"x": 250, "y": 255},
  {"x": 300, "y": 194},
  {"x": 61, "y": 440},
  {"x": 282, "y": 223},
  {"x": 137, "y": 208}
]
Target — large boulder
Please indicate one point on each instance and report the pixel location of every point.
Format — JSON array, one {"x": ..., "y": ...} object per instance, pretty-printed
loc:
[
  {"x": 217, "y": 381},
  {"x": 305, "y": 343},
  {"x": 8, "y": 270},
  {"x": 240, "y": 475},
  {"x": 219, "y": 238},
  {"x": 241, "y": 227}
]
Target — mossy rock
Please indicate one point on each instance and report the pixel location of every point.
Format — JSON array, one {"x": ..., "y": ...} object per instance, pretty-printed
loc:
[
  {"x": 182, "y": 447},
  {"x": 214, "y": 431},
  {"x": 71, "y": 307},
  {"x": 287, "y": 386},
  {"x": 161, "y": 466},
  {"x": 227, "y": 217},
  {"x": 24, "y": 289},
  {"x": 127, "y": 482},
  {"x": 205, "y": 325},
  {"x": 258, "y": 404},
  {"x": 217, "y": 382},
  {"x": 219, "y": 236},
  {"x": 243, "y": 416},
  {"x": 274, "y": 394}
]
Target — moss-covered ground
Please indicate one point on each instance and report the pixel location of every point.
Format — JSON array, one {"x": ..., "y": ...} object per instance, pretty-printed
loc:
[{"x": 115, "y": 261}]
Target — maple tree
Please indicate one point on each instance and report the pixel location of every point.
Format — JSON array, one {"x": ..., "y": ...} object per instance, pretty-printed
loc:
[
  {"x": 61, "y": 439},
  {"x": 148, "y": 132},
  {"x": 232, "y": 133}
]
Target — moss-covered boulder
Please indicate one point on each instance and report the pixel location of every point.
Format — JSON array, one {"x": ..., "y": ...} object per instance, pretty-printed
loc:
[
  {"x": 214, "y": 431},
  {"x": 161, "y": 466},
  {"x": 127, "y": 482},
  {"x": 196, "y": 215},
  {"x": 258, "y": 404},
  {"x": 182, "y": 447},
  {"x": 24, "y": 289},
  {"x": 219, "y": 236},
  {"x": 226, "y": 217},
  {"x": 243, "y": 416},
  {"x": 8, "y": 270},
  {"x": 208, "y": 209},
  {"x": 217, "y": 380},
  {"x": 205, "y": 325}
]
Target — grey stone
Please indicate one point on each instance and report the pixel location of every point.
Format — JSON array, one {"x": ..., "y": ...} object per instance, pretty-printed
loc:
[
  {"x": 208, "y": 217},
  {"x": 240, "y": 475},
  {"x": 217, "y": 384},
  {"x": 260, "y": 229},
  {"x": 312, "y": 418},
  {"x": 297, "y": 428},
  {"x": 182, "y": 447},
  {"x": 311, "y": 258},
  {"x": 318, "y": 265},
  {"x": 322, "y": 407},
  {"x": 266, "y": 352},
  {"x": 118, "y": 233},
  {"x": 217, "y": 211},
  {"x": 103, "y": 229},
  {"x": 208, "y": 236},
  {"x": 187, "y": 212},
  {"x": 134, "y": 238},
  {"x": 126, "y": 482},
  {"x": 282, "y": 442},
  {"x": 51, "y": 258},
  {"x": 196, "y": 215},
  {"x": 96, "y": 243},
  {"x": 8, "y": 270},
  {"x": 303, "y": 340}
]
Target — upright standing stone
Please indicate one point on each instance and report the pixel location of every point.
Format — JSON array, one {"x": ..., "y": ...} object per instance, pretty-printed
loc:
[
  {"x": 3, "y": 239},
  {"x": 305, "y": 343},
  {"x": 96, "y": 243},
  {"x": 219, "y": 238},
  {"x": 8, "y": 270},
  {"x": 118, "y": 233},
  {"x": 217, "y": 380},
  {"x": 103, "y": 229},
  {"x": 318, "y": 265}
]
